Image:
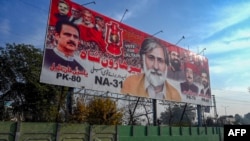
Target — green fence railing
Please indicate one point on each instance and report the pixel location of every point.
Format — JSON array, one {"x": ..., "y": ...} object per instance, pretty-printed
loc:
[{"x": 34, "y": 131}]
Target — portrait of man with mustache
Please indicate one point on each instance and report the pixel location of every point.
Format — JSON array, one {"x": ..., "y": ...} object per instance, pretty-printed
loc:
[
  {"x": 205, "y": 90},
  {"x": 67, "y": 37},
  {"x": 153, "y": 82},
  {"x": 175, "y": 71},
  {"x": 188, "y": 87}
]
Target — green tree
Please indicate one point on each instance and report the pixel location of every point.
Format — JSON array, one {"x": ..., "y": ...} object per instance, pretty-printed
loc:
[
  {"x": 137, "y": 111},
  {"x": 178, "y": 115},
  {"x": 210, "y": 121},
  {"x": 103, "y": 111},
  {"x": 238, "y": 119},
  {"x": 19, "y": 80},
  {"x": 247, "y": 118},
  {"x": 80, "y": 113}
]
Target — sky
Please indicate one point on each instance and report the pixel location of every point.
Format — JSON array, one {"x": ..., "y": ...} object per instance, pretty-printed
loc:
[{"x": 217, "y": 29}]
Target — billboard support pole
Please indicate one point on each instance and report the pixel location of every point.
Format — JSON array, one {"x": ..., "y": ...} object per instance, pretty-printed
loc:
[
  {"x": 199, "y": 115},
  {"x": 184, "y": 110},
  {"x": 69, "y": 99},
  {"x": 59, "y": 104},
  {"x": 154, "y": 112}
]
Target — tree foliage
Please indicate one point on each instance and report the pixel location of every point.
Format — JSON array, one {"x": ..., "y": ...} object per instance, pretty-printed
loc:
[
  {"x": 210, "y": 121},
  {"x": 19, "y": 82},
  {"x": 178, "y": 115},
  {"x": 137, "y": 111},
  {"x": 238, "y": 119},
  {"x": 247, "y": 118},
  {"x": 33, "y": 101},
  {"x": 80, "y": 113},
  {"x": 101, "y": 111}
]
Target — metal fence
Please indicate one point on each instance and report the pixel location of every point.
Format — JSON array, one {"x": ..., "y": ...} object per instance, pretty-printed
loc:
[{"x": 30, "y": 131}]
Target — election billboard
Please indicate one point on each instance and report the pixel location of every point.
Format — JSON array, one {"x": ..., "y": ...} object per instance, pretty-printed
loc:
[{"x": 86, "y": 49}]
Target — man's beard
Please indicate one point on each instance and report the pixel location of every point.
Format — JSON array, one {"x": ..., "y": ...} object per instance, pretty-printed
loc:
[
  {"x": 155, "y": 78},
  {"x": 176, "y": 64},
  {"x": 205, "y": 84}
]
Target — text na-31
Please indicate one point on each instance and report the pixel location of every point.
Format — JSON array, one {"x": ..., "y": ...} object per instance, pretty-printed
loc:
[{"x": 108, "y": 81}]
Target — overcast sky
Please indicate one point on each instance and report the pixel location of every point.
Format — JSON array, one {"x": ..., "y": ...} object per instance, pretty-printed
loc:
[{"x": 220, "y": 27}]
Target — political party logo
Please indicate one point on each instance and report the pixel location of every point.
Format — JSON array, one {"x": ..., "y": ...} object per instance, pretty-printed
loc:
[{"x": 114, "y": 39}]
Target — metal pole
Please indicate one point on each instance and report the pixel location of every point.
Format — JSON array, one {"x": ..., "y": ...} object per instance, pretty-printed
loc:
[
  {"x": 59, "y": 104},
  {"x": 183, "y": 113},
  {"x": 157, "y": 33},
  {"x": 199, "y": 115},
  {"x": 215, "y": 108},
  {"x": 89, "y": 3},
  {"x": 180, "y": 40},
  {"x": 124, "y": 14},
  {"x": 69, "y": 99},
  {"x": 154, "y": 112}
]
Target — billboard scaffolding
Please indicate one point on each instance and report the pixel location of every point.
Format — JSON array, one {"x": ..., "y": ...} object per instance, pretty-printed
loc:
[{"x": 84, "y": 48}]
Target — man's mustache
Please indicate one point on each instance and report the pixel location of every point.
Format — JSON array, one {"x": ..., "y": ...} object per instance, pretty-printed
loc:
[
  {"x": 156, "y": 73},
  {"x": 176, "y": 60},
  {"x": 71, "y": 43}
]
